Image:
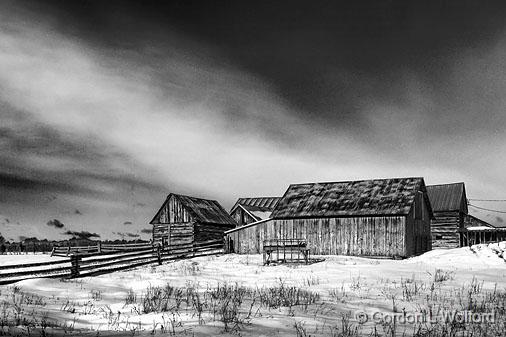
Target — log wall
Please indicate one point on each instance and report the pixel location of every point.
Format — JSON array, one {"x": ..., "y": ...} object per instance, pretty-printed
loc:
[
  {"x": 445, "y": 229},
  {"x": 175, "y": 233},
  {"x": 206, "y": 232},
  {"x": 361, "y": 236}
]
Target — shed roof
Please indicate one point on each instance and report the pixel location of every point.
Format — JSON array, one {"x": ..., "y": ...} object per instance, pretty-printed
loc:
[
  {"x": 448, "y": 197},
  {"x": 350, "y": 198},
  {"x": 203, "y": 210}
]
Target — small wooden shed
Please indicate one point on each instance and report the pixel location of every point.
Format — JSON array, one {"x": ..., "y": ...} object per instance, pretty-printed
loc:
[
  {"x": 182, "y": 220},
  {"x": 248, "y": 210},
  {"x": 382, "y": 217},
  {"x": 449, "y": 204}
]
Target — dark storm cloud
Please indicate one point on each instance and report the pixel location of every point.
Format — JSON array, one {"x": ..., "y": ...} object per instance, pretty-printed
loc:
[
  {"x": 81, "y": 234},
  {"x": 499, "y": 219},
  {"x": 146, "y": 230},
  {"x": 13, "y": 181},
  {"x": 78, "y": 212},
  {"x": 111, "y": 97},
  {"x": 327, "y": 60},
  {"x": 55, "y": 223},
  {"x": 127, "y": 223}
]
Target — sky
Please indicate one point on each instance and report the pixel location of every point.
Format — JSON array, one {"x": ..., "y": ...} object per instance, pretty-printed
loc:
[{"x": 108, "y": 106}]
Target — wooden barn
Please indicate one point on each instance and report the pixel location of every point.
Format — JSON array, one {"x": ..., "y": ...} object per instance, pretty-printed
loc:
[
  {"x": 248, "y": 210},
  {"x": 183, "y": 220},
  {"x": 449, "y": 204},
  {"x": 384, "y": 218}
]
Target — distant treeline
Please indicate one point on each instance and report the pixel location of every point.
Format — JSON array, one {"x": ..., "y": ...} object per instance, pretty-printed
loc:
[{"x": 34, "y": 245}]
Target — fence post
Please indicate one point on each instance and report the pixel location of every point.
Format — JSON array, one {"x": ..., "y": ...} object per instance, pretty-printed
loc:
[
  {"x": 159, "y": 254},
  {"x": 74, "y": 261},
  {"x": 99, "y": 247}
]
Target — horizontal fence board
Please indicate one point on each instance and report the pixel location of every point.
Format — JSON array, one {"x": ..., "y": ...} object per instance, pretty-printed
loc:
[
  {"x": 115, "y": 262},
  {"x": 97, "y": 259},
  {"x": 99, "y": 271}
]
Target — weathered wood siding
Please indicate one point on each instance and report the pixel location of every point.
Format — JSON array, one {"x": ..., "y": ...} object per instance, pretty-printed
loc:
[
  {"x": 242, "y": 217},
  {"x": 360, "y": 236},
  {"x": 418, "y": 228},
  {"x": 176, "y": 224},
  {"x": 173, "y": 211},
  {"x": 445, "y": 229}
]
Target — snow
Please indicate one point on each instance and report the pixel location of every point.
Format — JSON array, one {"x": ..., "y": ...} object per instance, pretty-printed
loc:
[
  {"x": 478, "y": 228},
  {"x": 15, "y": 259},
  {"x": 364, "y": 280}
]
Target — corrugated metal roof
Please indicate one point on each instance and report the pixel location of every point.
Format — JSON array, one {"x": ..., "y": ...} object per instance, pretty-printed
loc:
[
  {"x": 262, "y": 204},
  {"x": 349, "y": 198},
  {"x": 448, "y": 197}
]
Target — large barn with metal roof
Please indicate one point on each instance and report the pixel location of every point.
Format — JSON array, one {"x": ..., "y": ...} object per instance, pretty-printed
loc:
[
  {"x": 382, "y": 217},
  {"x": 182, "y": 220}
]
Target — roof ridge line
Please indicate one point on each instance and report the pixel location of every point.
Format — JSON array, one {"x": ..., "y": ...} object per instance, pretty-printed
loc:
[{"x": 351, "y": 181}]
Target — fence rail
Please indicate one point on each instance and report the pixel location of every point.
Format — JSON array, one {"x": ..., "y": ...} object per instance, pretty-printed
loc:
[
  {"x": 98, "y": 249},
  {"x": 87, "y": 262}
]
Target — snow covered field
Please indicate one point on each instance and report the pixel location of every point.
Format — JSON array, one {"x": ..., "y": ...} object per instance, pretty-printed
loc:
[
  {"x": 13, "y": 259},
  {"x": 235, "y": 294}
]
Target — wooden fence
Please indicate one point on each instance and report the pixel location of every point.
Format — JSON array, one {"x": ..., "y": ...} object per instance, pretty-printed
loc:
[
  {"x": 99, "y": 249},
  {"x": 86, "y": 261}
]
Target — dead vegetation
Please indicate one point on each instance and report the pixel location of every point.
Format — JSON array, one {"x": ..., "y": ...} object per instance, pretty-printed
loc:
[{"x": 234, "y": 308}]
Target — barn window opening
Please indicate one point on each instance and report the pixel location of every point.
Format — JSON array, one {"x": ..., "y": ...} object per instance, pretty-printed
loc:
[{"x": 439, "y": 237}]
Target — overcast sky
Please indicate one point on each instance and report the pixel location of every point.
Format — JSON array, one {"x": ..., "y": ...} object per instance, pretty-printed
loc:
[{"x": 108, "y": 106}]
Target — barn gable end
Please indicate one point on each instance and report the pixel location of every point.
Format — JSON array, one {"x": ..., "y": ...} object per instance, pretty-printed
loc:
[
  {"x": 449, "y": 202},
  {"x": 182, "y": 219}
]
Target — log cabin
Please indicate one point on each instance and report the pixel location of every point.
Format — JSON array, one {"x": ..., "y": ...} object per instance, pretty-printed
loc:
[
  {"x": 449, "y": 204},
  {"x": 248, "y": 210},
  {"x": 183, "y": 220},
  {"x": 453, "y": 226},
  {"x": 382, "y": 218}
]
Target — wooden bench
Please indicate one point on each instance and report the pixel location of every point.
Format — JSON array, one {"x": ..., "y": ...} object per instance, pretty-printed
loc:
[{"x": 285, "y": 250}]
